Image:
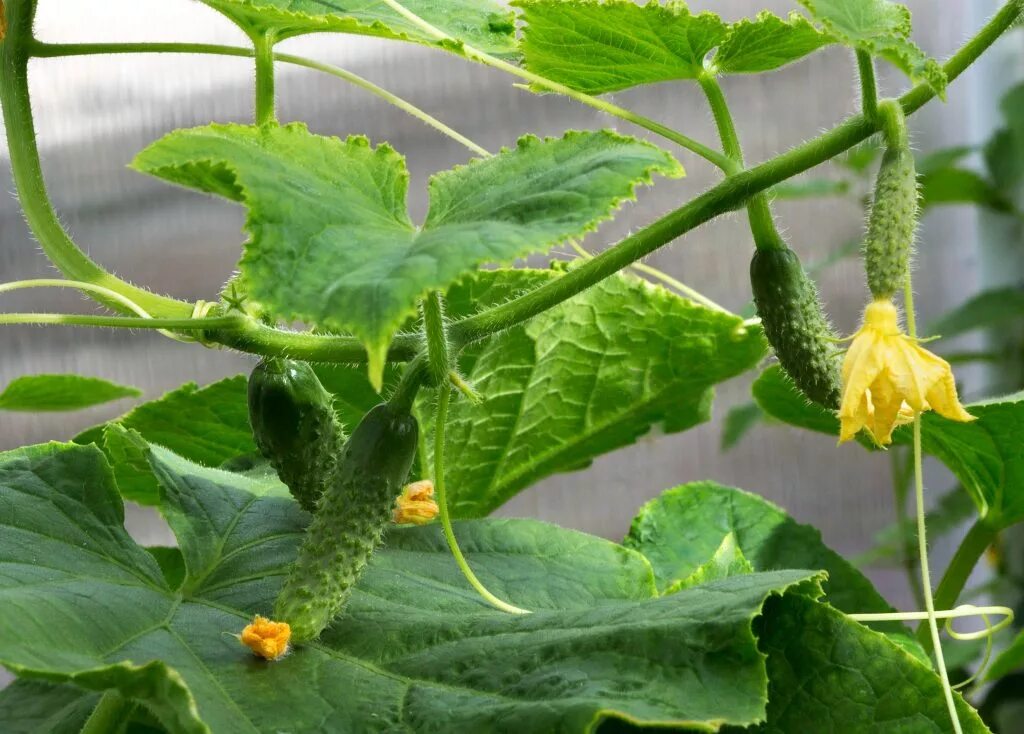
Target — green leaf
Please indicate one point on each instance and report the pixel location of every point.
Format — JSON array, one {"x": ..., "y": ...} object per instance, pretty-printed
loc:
[
  {"x": 483, "y": 24},
  {"x": 827, "y": 669},
  {"x": 993, "y": 308},
  {"x": 961, "y": 186},
  {"x": 942, "y": 158},
  {"x": 35, "y": 707},
  {"x": 738, "y": 422},
  {"x": 42, "y": 393},
  {"x": 684, "y": 527},
  {"x": 881, "y": 28},
  {"x": 208, "y": 426},
  {"x": 1004, "y": 152},
  {"x": 417, "y": 650},
  {"x": 336, "y": 247},
  {"x": 779, "y": 398},
  {"x": 598, "y": 47},
  {"x": 587, "y": 377},
  {"x": 766, "y": 43},
  {"x": 726, "y": 562}
]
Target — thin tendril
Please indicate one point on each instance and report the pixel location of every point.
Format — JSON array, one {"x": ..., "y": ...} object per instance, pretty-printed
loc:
[
  {"x": 202, "y": 306},
  {"x": 443, "y": 398}
]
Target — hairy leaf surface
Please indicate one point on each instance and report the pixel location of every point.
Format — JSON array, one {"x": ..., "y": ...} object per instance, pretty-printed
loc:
[
  {"x": 589, "y": 376},
  {"x": 332, "y": 243},
  {"x": 599, "y": 47}
]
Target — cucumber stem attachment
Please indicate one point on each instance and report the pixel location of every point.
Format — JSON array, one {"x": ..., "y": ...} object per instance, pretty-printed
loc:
[{"x": 443, "y": 399}]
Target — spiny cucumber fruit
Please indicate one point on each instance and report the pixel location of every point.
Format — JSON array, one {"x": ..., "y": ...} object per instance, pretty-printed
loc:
[
  {"x": 295, "y": 427},
  {"x": 349, "y": 522},
  {"x": 795, "y": 324},
  {"x": 892, "y": 222}
]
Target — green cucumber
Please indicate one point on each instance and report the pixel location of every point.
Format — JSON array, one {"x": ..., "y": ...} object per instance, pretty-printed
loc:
[
  {"x": 795, "y": 324},
  {"x": 295, "y": 427},
  {"x": 892, "y": 222},
  {"x": 349, "y": 522}
]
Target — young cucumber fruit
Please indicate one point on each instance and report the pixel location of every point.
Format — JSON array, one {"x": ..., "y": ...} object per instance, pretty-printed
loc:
[
  {"x": 295, "y": 427},
  {"x": 892, "y": 222},
  {"x": 349, "y": 522},
  {"x": 795, "y": 323}
]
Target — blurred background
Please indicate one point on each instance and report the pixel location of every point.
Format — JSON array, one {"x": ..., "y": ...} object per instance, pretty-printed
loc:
[{"x": 95, "y": 113}]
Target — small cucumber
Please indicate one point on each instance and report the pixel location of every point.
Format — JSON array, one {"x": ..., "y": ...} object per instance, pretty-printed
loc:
[
  {"x": 892, "y": 222},
  {"x": 295, "y": 427},
  {"x": 349, "y": 522},
  {"x": 795, "y": 324}
]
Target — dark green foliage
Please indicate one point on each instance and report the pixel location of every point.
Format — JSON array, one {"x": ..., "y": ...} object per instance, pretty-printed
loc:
[
  {"x": 795, "y": 324},
  {"x": 349, "y": 521},
  {"x": 295, "y": 426}
]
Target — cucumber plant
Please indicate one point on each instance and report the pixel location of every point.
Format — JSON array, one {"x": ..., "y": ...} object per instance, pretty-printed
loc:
[{"x": 447, "y": 366}]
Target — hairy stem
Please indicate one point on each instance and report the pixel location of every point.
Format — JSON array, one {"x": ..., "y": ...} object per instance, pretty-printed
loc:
[
  {"x": 868, "y": 85},
  {"x": 28, "y": 176},
  {"x": 266, "y": 104},
  {"x": 762, "y": 224},
  {"x": 438, "y": 353}
]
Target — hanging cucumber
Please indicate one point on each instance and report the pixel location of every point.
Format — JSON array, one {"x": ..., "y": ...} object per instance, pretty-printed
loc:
[
  {"x": 295, "y": 427},
  {"x": 795, "y": 324},
  {"x": 350, "y": 520},
  {"x": 893, "y": 220}
]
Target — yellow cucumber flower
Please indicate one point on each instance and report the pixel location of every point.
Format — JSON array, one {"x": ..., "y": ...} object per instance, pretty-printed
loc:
[
  {"x": 267, "y": 638},
  {"x": 889, "y": 378},
  {"x": 416, "y": 504}
]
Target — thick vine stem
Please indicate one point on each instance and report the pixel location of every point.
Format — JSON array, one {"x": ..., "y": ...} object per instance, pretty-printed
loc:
[
  {"x": 438, "y": 352},
  {"x": 28, "y": 175},
  {"x": 266, "y": 102},
  {"x": 868, "y": 84}
]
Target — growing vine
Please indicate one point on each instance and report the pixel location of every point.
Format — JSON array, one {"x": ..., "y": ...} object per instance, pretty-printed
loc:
[{"x": 299, "y": 534}]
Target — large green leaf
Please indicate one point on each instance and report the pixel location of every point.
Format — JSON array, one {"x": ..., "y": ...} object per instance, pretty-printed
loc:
[
  {"x": 417, "y": 649},
  {"x": 35, "y": 707},
  {"x": 484, "y": 24},
  {"x": 776, "y": 395},
  {"x": 882, "y": 28},
  {"x": 989, "y": 309},
  {"x": 331, "y": 240},
  {"x": 827, "y": 670},
  {"x": 41, "y": 393},
  {"x": 586, "y": 377},
  {"x": 685, "y": 526},
  {"x": 599, "y": 47},
  {"x": 953, "y": 185}
]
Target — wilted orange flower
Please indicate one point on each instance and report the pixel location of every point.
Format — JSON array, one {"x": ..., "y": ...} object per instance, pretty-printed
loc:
[
  {"x": 267, "y": 638},
  {"x": 416, "y": 504},
  {"x": 888, "y": 378}
]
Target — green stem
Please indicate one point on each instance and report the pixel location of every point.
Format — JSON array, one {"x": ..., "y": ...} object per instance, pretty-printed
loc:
[
  {"x": 893, "y": 123},
  {"x": 61, "y": 50},
  {"x": 444, "y": 392},
  {"x": 724, "y": 197},
  {"x": 762, "y": 224},
  {"x": 868, "y": 85},
  {"x": 28, "y": 176},
  {"x": 438, "y": 354},
  {"x": 409, "y": 386},
  {"x": 926, "y": 581},
  {"x": 109, "y": 715},
  {"x": 121, "y": 322},
  {"x": 980, "y": 536},
  {"x": 900, "y": 481},
  {"x": 266, "y": 106}
]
